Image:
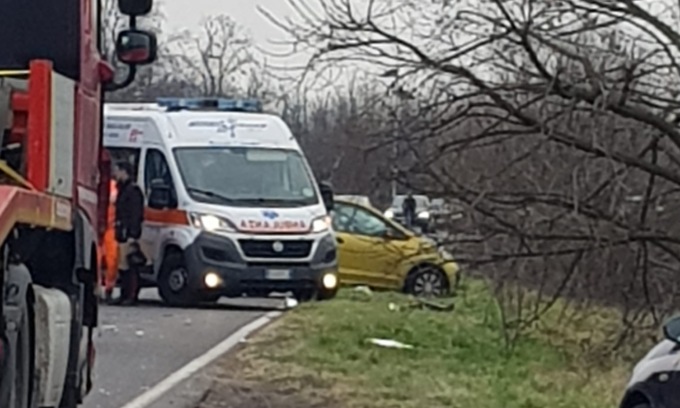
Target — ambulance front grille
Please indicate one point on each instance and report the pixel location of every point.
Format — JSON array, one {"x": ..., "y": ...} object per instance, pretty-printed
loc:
[{"x": 255, "y": 248}]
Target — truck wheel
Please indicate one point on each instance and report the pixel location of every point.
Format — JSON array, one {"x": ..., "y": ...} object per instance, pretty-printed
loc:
[
  {"x": 173, "y": 282},
  {"x": 69, "y": 399},
  {"x": 21, "y": 361}
]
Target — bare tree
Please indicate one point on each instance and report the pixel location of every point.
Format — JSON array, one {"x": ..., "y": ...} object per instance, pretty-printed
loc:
[
  {"x": 552, "y": 120},
  {"x": 219, "y": 55}
]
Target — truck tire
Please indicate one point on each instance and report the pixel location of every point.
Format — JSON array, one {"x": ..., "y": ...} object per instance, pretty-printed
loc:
[
  {"x": 21, "y": 357},
  {"x": 173, "y": 282}
]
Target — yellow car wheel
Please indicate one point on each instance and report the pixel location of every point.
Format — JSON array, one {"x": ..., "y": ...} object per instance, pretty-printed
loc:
[{"x": 427, "y": 280}]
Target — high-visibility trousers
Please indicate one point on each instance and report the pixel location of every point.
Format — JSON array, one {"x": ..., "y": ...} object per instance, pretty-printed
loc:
[{"x": 110, "y": 249}]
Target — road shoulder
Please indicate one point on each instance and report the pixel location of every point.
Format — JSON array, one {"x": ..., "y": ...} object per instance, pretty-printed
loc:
[
  {"x": 223, "y": 384},
  {"x": 185, "y": 385}
]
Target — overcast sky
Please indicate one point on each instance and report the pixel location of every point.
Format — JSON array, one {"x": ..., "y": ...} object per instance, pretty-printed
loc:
[{"x": 189, "y": 13}]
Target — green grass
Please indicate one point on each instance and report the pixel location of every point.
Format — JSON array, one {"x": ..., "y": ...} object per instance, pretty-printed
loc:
[{"x": 459, "y": 359}]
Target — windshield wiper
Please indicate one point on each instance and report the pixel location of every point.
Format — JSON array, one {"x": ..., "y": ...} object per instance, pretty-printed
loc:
[
  {"x": 211, "y": 194},
  {"x": 276, "y": 201}
]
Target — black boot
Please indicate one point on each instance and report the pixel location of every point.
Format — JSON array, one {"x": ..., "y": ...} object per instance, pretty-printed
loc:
[
  {"x": 128, "y": 288},
  {"x": 124, "y": 287},
  {"x": 108, "y": 296}
]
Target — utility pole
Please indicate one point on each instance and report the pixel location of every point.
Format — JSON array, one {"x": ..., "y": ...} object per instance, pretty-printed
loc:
[
  {"x": 398, "y": 96},
  {"x": 395, "y": 155}
]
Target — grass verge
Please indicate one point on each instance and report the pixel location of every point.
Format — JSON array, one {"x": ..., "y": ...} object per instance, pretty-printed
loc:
[{"x": 320, "y": 351}]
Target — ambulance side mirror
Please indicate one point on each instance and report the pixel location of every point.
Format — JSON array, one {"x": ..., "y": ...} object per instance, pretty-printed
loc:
[
  {"x": 161, "y": 195},
  {"x": 671, "y": 330},
  {"x": 136, "y": 47}
]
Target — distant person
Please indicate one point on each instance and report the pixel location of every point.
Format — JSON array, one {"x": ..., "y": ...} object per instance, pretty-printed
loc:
[
  {"x": 109, "y": 246},
  {"x": 409, "y": 208},
  {"x": 128, "y": 229}
]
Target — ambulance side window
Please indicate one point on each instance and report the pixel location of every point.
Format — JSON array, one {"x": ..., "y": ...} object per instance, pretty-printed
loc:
[
  {"x": 155, "y": 168},
  {"x": 130, "y": 155}
]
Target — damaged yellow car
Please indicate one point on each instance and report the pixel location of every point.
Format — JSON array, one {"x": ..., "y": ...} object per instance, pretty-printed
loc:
[{"x": 379, "y": 253}]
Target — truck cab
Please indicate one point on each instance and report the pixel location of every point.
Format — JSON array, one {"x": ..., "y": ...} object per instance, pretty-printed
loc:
[
  {"x": 52, "y": 80},
  {"x": 232, "y": 206}
]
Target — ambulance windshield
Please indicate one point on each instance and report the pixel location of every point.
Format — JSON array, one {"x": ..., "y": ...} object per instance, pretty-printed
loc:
[{"x": 246, "y": 176}]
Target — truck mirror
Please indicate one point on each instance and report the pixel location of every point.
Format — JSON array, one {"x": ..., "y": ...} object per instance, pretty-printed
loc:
[
  {"x": 327, "y": 195},
  {"x": 671, "y": 330},
  {"x": 135, "y": 8},
  {"x": 136, "y": 47}
]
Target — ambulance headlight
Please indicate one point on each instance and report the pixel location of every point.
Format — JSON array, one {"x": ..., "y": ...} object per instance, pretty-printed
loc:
[
  {"x": 321, "y": 224},
  {"x": 211, "y": 222},
  {"x": 424, "y": 214},
  {"x": 389, "y": 214}
]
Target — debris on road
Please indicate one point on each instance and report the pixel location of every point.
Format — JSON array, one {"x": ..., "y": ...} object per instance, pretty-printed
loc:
[
  {"x": 289, "y": 302},
  {"x": 364, "y": 289},
  {"x": 388, "y": 343},
  {"x": 139, "y": 333},
  {"x": 106, "y": 328}
]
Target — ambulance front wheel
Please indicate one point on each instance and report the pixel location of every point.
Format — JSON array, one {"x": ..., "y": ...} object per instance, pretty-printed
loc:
[{"x": 173, "y": 281}]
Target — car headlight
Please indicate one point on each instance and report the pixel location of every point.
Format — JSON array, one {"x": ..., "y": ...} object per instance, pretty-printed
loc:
[
  {"x": 321, "y": 224},
  {"x": 424, "y": 214},
  {"x": 211, "y": 222},
  {"x": 389, "y": 214}
]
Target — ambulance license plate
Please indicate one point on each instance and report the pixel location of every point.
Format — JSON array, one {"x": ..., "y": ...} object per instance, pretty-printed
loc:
[{"x": 278, "y": 274}]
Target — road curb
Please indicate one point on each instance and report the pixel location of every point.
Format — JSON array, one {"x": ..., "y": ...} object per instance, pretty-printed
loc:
[{"x": 197, "y": 365}]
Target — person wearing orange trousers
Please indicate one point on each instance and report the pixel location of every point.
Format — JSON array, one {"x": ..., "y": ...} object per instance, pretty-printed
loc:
[{"x": 109, "y": 246}]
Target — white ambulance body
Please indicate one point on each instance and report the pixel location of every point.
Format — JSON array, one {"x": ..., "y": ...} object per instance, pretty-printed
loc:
[{"x": 232, "y": 207}]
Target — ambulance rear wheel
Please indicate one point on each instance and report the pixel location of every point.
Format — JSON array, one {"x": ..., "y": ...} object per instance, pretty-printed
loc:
[{"x": 173, "y": 281}]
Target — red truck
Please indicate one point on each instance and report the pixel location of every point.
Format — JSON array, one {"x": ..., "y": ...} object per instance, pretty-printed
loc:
[{"x": 54, "y": 191}]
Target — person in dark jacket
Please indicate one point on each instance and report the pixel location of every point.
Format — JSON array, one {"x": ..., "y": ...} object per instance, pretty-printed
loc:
[
  {"x": 128, "y": 230},
  {"x": 409, "y": 209}
]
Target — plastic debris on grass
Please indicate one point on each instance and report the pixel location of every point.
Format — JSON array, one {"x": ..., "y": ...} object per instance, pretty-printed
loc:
[
  {"x": 389, "y": 343},
  {"x": 437, "y": 306},
  {"x": 364, "y": 290}
]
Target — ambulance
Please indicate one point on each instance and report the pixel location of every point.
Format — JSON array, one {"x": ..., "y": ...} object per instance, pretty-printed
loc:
[{"x": 232, "y": 206}]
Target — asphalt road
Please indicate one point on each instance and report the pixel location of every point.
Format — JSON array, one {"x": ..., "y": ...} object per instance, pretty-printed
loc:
[{"x": 139, "y": 346}]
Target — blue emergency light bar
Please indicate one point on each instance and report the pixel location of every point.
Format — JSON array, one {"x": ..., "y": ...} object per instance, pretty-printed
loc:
[{"x": 212, "y": 104}]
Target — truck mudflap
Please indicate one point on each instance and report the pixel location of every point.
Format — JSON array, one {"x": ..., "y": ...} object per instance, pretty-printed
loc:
[{"x": 53, "y": 329}]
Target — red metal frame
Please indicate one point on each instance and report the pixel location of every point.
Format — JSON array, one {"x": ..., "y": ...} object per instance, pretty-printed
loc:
[
  {"x": 39, "y": 124},
  {"x": 32, "y": 126}
]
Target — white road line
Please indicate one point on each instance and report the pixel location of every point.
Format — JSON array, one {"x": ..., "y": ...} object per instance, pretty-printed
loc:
[{"x": 158, "y": 390}]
